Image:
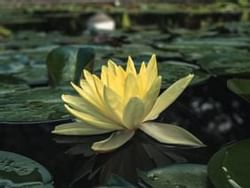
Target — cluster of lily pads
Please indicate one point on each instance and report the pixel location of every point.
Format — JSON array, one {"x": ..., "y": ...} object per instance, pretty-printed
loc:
[
  {"x": 180, "y": 52},
  {"x": 34, "y": 77}
]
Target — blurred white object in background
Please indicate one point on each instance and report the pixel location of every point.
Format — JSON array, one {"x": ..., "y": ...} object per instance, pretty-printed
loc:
[{"x": 101, "y": 22}]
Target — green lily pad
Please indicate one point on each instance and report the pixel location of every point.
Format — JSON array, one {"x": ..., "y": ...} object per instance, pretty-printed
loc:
[
  {"x": 217, "y": 55},
  {"x": 65, "y": 64},
  {"x": 226, "y": 62},
  {"x": 21, "y": 172},
  {"x": 10, "y": 88},
  {"x": 229, "y": 167},
  {"x": 39, "y": 104},
  {"x": 10, "y": 68},
  {"x": 241, "y": 87},
  {"x": 22, "y": 68},
  {"x": 171, "y": 71},
  {"x": 179, "y": 175}
]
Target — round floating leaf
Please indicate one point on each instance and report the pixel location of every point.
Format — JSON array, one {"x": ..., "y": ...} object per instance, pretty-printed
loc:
[
  {"x": 180, "y": 175},
  {"x": 17, "y": 67},
  {"x": 85, "y": 59},
  {"x": 229, "y": 167},
  {"x": 19, "y": 171},
  {"x": 172, "y": 71},
  {"x": 61, "y": 63},
  {"x": 32, "y": 105},
  {"x": 66, "y": 63},
  {"x": 226, "y": 62},
  {"x": 11, "y": 88},
  {"x": 241, "y": 87},
  {"x": 11, "y": 64}
]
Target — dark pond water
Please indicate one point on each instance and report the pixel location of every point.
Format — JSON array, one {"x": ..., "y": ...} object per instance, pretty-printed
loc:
[{"x": 210, "y": 111}]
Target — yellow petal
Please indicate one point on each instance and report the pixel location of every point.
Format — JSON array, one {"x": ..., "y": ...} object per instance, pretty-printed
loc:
[
  {"x": 142, "y": 78},
  {"x": 130, "y": 66},
  {"x": 169, "y": 96},
  {"x": 91, "y": 104},
  {"x": 81, "y": 105},
  {"x": 93, "y": 83},
  {"x": 78, "y": 128},
  {"x": 121, "y": 71},
  {"x": 86, "y": 93},
  {"x": 77, "y": 102},
  {"x": 170, "y": 134},
  {"x": 89, "y": 78},
  {"x": 119, "y": 81},
  {"x": 152, "y": 71},
  {"x": 133, "y": 113},
  {"x": 131, "y": 88},
  {"x": 114, "y": 79},
  {"x": 116, "y": 83},
  {"x": 104, "y": 75},
  {"x": 113, "y": 103},
  {"x": 111, "y": 67},
  {"x": 116, "y": 140},
  {"x": 152, "y": 94},
  {"x": 93, "y": 120},
  {"x": 99, "y": 87}
]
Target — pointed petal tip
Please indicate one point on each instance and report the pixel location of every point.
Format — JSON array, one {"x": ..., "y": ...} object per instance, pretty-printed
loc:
[
  {"x": 73, "y": 84},
  {"x": 111, "y": 62},
  {"x": 171, "y": 134},
  {"x": 191, "y": 76},
  {"x": 63, "y": 97},
  {"x": 67, "y": 107},
  {"x": 58, "y": 132},
  {"x": 85, "y": 71},
  {"x": 188, "y": 78},
  {"x": 130, "y": 66},
  {"x": 130, "y": 60},
  {"x": 153, "y": 56},
  {"x": 67, "y": 98}
]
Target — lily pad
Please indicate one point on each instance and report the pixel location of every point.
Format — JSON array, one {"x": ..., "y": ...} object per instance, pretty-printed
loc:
[
  {"x": 37, "y": 105},
  {"x": 229, "y": 167},
  {"x": 241, "y": 87},
  {"x": 179, "y": 175},
  {"x": 21, "y": 172},
  {"x": 226, "y": 62},
  {"x": 65, "y": 64},
  {"x": 22, "y": 68}
]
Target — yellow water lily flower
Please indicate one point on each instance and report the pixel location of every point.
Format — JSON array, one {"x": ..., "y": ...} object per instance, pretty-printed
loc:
[{"x": 122, "y": 101}]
